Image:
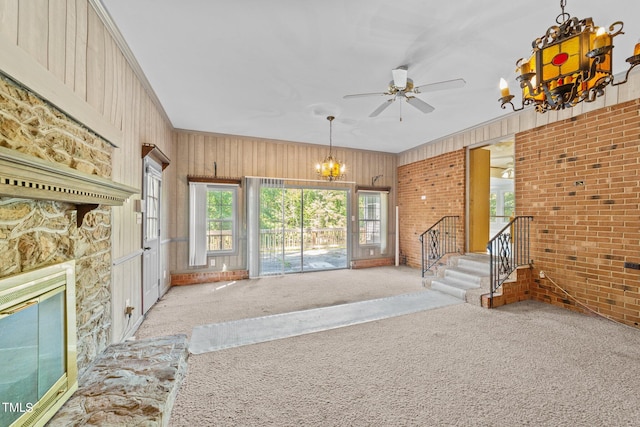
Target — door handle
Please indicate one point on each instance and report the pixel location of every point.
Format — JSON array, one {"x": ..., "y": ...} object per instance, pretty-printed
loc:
[{"x": 147, "y": 248}]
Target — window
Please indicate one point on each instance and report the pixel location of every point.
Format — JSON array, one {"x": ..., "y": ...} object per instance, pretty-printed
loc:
[
  {"x": 369, "y": 218},
  {"x": 221, "y": 223},
  {"x": 212, "y": 221},
  {"x": 509, "y": 203},
  {"x": 493, "y": 207}
]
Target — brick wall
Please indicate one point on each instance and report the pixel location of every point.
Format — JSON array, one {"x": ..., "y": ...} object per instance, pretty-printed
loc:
[
  {"x": 580, "y": 179},
  {"x": 179, "y": 279},
  {"x": 442, "y": 180},
  {"x": 373, "y": 262}
]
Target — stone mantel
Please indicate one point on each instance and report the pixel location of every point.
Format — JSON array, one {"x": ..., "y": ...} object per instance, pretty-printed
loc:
[{"x": 29, "y": 177}]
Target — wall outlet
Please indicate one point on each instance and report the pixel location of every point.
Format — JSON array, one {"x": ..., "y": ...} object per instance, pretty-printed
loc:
[
  {"x": 371, "y": 252},
  {"x": 212, "y": 262},
  {"x": 542, "y": 275}
]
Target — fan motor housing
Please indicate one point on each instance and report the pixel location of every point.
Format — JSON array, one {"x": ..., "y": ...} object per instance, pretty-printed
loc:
[{"x": 393, "y": 88}]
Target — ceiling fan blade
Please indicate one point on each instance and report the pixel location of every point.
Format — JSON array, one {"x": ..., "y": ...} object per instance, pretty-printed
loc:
[
  {"x": 362, "y": 95},
  {"x": 420, "y": 104},
  {"x": 382, "y": 107},
  {"x": 400, "y": 77},
  {"x": 447, "y": 84}
]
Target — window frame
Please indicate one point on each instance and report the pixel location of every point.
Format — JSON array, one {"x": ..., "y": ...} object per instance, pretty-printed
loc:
[
  {"x": 234, "y": 219},
  {"x": 378, "y": 221}
]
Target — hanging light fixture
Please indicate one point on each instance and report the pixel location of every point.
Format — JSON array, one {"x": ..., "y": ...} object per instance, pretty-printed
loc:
[
  {"x": 331, "y": 168},
  {"x": 569, "y": 64}
]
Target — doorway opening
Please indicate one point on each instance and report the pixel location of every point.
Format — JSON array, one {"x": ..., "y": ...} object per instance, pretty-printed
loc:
[
  {"x": 491, "y": 192},
  {"x": 302, "y": 229}
]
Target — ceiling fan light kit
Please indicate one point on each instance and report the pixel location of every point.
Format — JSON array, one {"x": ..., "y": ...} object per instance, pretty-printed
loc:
[
  {"x": 569, "y": 64},
  {"x": 402, "y": 87},
  {"x": 331, "y": 168}
]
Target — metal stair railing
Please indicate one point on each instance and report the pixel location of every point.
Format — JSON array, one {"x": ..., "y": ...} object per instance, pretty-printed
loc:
[
  {"x": 437, "y": 241},
  {"x": 508, "y": 250}
]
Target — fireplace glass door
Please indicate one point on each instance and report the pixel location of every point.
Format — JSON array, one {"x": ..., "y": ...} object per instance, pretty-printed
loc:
[{"x": 32, "y": 349}]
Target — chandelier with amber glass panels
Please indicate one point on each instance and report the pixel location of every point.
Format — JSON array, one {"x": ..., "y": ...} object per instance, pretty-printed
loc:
[
  {"x": 331, "y": 168},
  {"x": 569, "y": 64}
]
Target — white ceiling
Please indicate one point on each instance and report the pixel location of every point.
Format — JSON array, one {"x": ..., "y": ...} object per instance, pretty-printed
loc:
[{"x": 275, "y": 69}]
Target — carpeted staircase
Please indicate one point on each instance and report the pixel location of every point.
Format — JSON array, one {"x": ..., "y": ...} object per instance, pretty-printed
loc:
[{"x": 464, "y": 276}]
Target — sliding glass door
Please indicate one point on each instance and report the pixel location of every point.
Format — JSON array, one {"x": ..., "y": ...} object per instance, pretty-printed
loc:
[{"x": 302, "y": 229}]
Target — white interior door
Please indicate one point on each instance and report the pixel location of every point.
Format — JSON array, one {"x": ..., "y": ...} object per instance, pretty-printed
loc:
[{"x": 152, "y": 190}]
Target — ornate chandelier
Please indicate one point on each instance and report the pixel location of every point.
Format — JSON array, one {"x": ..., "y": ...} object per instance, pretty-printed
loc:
[
  {"x": 569, "y": 64},
  {"x": 331, "y": 168}
]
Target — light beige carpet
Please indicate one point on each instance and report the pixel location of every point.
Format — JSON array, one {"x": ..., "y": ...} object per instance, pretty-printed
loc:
[{"x": 523, "y": 364}]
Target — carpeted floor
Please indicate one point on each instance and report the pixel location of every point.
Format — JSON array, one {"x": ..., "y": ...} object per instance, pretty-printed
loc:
[{"x": 524, "y": 364}]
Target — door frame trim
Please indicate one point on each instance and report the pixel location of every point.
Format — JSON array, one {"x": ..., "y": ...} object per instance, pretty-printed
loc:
[{"x": 467, "y": 178}]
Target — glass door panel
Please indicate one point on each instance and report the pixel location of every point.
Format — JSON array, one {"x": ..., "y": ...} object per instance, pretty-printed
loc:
[
  {"x": 302, "y": 229},
  {"x": 324, "y": 229},
  {"x": 271, "y": 227},
  {"x": 19, "y": 355}
]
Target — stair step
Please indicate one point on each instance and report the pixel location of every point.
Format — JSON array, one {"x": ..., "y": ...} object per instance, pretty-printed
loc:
[
  {"x": 468, "y": 272},
  {"x": 454, "y": 287},
  {"x": 476, "y": 263},
  {"x": 463, "y": 274}
]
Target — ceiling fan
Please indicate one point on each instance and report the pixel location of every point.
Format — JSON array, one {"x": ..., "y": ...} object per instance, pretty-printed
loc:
[{"x": 402, "y": 87}]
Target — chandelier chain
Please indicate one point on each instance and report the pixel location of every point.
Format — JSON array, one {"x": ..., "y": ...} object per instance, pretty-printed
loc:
[
  {"x": 330, "y": 118},
  {"x": 564, "y": 16}
]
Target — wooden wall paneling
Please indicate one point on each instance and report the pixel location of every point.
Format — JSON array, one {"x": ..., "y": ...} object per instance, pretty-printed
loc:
[
  {"x": 182, "y": 202},
  {"x": 56, "y": 54},
  {"x": 110, "y": 80},
  {"x": 33, "y": 29},
  {"x": 256, "y": 154},
  {"x": 117, "y": 109},
  {"x": 260, "y": 154},
  {"x": 209, "y": 156},
  {"x": 143, "y": 135},
  {"x": 198, "y": 159},
  {"x": 245, "y": 159},
  {"x": 358, "y": 172},
  {"x": 172, "y": 187},
  {"x": 80, "y": 72},
  {"x": 131, "y": 127},
  {"x": 265, "y": 167},
  {"x": 313, "y": 156},
  {"x": 293, "y": 159},
  {"x": 117, "y": 293},
  {"x": 236, "y": 160},
  {"x": 9, "y": 19},
  {"x": 234, "y": 170},
  {"x": 230, "y": 165},
  {"x": 95, "y": 62},
  {"x": 279, "y": 161},
  {"x": 193, "y": 157},
  {"x": 70, "y": 44},
  {"x": 215, "y": 148}
]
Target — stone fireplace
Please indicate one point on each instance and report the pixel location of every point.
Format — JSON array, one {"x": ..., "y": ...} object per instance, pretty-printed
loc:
[{"x": 55, "y": 206}]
